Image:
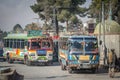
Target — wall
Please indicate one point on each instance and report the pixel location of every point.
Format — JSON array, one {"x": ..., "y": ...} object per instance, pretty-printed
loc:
[{"x": 113, "y": 42}]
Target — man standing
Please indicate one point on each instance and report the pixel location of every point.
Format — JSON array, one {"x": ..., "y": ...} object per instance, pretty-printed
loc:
[{"x": 112, "y": 59}]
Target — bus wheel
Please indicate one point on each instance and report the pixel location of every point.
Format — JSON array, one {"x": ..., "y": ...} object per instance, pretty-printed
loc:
[
  {"x": 70, "y": 70},
  {"x": 46, "y": 64},
  {"x": 93, "y": 70}
]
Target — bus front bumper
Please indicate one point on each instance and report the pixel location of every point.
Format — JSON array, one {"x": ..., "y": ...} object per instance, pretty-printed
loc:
[
  {"x": 37, "y": 62},
  {"x": 83, "y": 66}
]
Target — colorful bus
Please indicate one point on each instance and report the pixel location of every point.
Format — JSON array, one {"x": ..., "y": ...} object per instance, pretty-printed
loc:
[
  {"x": 1, "y": 50},
  {"x": 30, "y": 48},
  {"x": 78, "y": 53},
  {"x": 1, "y": 54}
]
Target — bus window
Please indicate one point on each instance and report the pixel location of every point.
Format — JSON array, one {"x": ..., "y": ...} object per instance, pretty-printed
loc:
[
  {"x": 22, "y": 44},
  {"x": 90, "y": 46},
  {"x": 10, "y": 43},
  {"x": 27, "y": 44},
  {"x": 7, "y": 41},
  {"x": 77, "y": 46},
  {"x": 18, "y": 43},
  {"x": 35, "y": 45},
  {"x": 45, "y": 44},
  {"x": 15, "y": 43}
]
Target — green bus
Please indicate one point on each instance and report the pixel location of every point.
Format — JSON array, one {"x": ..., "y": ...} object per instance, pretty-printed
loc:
[{"x": 31, "y": 47}]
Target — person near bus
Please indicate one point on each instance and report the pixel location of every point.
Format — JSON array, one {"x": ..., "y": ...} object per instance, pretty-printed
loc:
[{"x": 112, "y": 60}]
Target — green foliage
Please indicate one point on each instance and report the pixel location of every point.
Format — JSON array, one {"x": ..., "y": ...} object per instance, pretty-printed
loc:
[
  {"x": 2, "y": 34},
  {"x": 32, "y": 26},
  {"x": 95, "y": 9},
  {"x": 43, "y": 8},
  {"x": 64, "y": 16},
  {"x": 74, "y": 19},
  {"x": 18, "y": 29},
  {"x": 46, "y": 27},
  {"x": 66, "y": 9}
]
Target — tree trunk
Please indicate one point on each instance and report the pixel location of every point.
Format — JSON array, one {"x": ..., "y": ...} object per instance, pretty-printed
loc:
[{"x": 66, "y": 25}]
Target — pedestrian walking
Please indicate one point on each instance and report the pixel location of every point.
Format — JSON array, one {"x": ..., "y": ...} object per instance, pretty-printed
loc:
[{"x": 112, "y": 58}]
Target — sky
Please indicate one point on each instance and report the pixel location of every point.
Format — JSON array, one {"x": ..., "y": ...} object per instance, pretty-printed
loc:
[{"x": 14, "y": 12}]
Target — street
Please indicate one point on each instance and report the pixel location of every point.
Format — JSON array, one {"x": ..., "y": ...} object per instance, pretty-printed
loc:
[{"x": 54, "y": 72}]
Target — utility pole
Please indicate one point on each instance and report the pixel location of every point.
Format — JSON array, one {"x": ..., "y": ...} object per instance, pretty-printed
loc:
[
  {"x": 103, "y": 22},
  {"x": 103, "y": 34},
  {"x": 99, "y": 36},
  {"x": 55, "y": 21},
  {"x": 55, "y": 24}
]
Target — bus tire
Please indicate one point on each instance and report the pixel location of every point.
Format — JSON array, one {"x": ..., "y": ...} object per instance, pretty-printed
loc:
[
  {"x": 46, "y": 64},
  {"x": 93, "y": 70},
  {"x": 50, "y": 63},
  {"x": 4, "y": 59},
  {"x": 70, "y": 70}
]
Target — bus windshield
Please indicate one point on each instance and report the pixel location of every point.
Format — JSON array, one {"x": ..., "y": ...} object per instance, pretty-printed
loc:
[
  {"x": 77, "y": 46},
  {"x": 90, "y": 46},
  {"x": 35, "y": 45},
  {"x": 46, "y": 44}
]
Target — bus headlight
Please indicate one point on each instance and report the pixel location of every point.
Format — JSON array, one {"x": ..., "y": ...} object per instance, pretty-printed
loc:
[
  {"x": 50, "y": 56},
  {"x": 32, "y": 56}
]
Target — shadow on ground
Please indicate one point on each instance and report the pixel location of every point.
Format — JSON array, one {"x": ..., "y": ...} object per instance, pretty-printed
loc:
[
  {"x": 99, "y": 71},
  {"x": 5, "y": 66},
  {"x": 57, "y": 76}
]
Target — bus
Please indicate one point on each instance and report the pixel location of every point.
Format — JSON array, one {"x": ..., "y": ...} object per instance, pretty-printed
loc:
[
  {"x": 28, "y": 48},
  {"x": 78, "y": 53},
  {"x": 1, "y": 50}
]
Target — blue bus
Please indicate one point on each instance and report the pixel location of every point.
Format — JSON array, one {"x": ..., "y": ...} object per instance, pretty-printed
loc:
[{"x": 78, "y": 53}]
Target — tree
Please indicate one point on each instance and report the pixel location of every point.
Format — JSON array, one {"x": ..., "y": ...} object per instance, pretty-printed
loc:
[
  {"x": 2, "y": 34},
  {"x": 46, "y": 27},
  {"x": 75, "y": 23},
  {"x": 65, "y": 9},
  {"x": 32, "y": 26},
  {"x": 18, "y": 29},
  {"x": 95, "y": 9}
]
